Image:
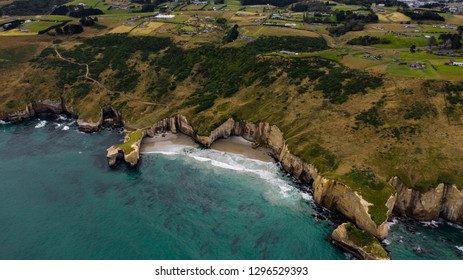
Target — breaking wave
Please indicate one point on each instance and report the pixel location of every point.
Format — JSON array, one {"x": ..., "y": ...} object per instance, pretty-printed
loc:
[
  {"x": 41, "y": 124},
  {"x": 268, "y": 171}
]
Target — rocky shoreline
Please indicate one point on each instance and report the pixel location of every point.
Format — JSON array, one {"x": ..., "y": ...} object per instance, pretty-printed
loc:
[
  {"x": 109, "y": 117},
  {"x": 445, "y": 201},
  {"x": 327, "y": 192}
]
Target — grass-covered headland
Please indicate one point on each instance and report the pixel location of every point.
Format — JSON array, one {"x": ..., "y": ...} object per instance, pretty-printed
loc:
[{"x": 359, "y": 127}]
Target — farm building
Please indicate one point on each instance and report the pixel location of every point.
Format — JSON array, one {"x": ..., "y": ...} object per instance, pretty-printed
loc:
[
  {"x": 289, "y": 52},
  {"x": 417, "y": 65}
]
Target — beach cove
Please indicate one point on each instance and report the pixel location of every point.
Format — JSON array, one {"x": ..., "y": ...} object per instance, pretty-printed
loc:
[{"x": 189, "y": 203}]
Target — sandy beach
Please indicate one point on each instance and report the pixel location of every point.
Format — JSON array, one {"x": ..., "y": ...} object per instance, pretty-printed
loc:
[
  {"x": 239, "y": 145},
  {"x": 165, "y": 141},
  {"x": 234, "y": 145}
]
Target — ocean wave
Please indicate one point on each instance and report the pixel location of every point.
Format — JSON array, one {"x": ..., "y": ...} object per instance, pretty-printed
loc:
[
  {"x": 433, "y": 224},
  {"x": 460, "y": 248},
  {"x": 268, "y": 171},
  {"x": 41, "y": 124},
  {"x": 393, "y": 222},
  {"x": 3, "y": 122},
  {"x": 454, "y": 225},
  {"x": 65, "y": 127}
]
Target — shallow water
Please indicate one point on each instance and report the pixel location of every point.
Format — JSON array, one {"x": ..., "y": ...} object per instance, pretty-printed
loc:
[{"x": 59, "y": 200}]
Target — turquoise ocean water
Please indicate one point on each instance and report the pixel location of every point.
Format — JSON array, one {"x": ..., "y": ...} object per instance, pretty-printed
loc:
[{"x": 59, "y": 200}]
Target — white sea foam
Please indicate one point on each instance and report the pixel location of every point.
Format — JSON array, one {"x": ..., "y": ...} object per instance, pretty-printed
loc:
[
  {"x": 65, "y": 127},
  {"x": 267, "y": 171},
  {"x": 306, "y": 196},
  {"x": 387, "y": 242},
  {"x": 460, "y": 248},
  {"x": 41, "y": 124},
  {"x": 454, "y": 225},
  {"x": 3, "y": 122},
  {"x": 393, "y": 222},
  {"x": 434, "y": 224},
  {"x": 61, "y": 118}
]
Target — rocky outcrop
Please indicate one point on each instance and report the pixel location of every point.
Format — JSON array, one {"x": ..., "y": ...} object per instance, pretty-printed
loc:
[
  {"x": 88, "y": 127},
  {"x": 109, "y": 118},
  {"x": 444, "y": 201},
  {"x": 359, "y": 243},
  {"x": 133, "y": 157},
  {"x": 130, "y": 149},
  {"x": 327, "y": 192},
  {"x": 111, "y": 154},
  {"x": 37, "y": 107},
  {"x": 337, "y": 196}
]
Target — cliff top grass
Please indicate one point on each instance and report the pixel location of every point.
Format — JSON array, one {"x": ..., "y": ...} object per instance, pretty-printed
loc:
[
  {"x": 365, "y": 240},
  {"x": 372, "y": 189},
  {"x": 331, "y": 114},
  {"x": 133, "y": 138}
]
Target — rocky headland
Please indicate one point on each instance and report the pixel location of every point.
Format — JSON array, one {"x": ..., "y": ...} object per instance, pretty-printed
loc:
[
  {"x": 109, "y": 117},
  {"x": 445, "y": 201},
  {"x": 359, "y": 243}
]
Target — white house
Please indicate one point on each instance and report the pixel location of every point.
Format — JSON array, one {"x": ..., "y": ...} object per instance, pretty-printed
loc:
[
  {"x": 457, "y": 63},
  {"x": 164, "y": 16}
]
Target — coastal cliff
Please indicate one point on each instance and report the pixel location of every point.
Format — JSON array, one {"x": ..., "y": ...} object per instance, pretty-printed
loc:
[
  {"x": 444, "y": 201},
  {"x": 109, "y": 117},
  {"x": 37, "y": 107},
  {"x": 130, "y": 149},
  {"x": 358, "y": 242},
  {"x": 327, "y": 192},
  {"x": 338, "y": 196}
]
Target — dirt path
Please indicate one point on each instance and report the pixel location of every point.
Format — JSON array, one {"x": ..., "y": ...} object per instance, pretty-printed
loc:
[{"x": 87, "y": 76}]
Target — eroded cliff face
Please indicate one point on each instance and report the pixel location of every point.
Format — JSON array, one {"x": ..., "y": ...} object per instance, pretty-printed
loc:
[
  {"x": 108, "y": 118},
  {"x": 37, "y": 107},
  {"x": 362, "y": 247},
  {"x": 327, "y": 192},
  {"x": 444, "y": 201},
  {"x": 132, "y": 156},
  {"x": 337, "y": 196}
]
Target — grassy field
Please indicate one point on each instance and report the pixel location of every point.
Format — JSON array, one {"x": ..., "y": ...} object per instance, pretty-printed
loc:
[
  {"x": 90, "y": 3},
  {"x": 405, "y": 70},
  {"x": 342, "y": 7},
  {"x": 33, "y": 28},
  {"x": 393, "y": 17},
  {"x": 232, "y": 2},
  {"x": 402, "y": 42},
  {"x": 122, "y": 29},
  {"x": 150, "y": 28}
]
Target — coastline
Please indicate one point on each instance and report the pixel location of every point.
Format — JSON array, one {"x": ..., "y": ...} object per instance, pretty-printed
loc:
[{"x": 234, "y": 145}]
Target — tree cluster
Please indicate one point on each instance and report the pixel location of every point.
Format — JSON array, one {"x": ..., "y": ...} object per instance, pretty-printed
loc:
[
  {"x": 30, "y": 7},
  {"x": 450, "y": 41},
  {"x": 76, "y": 11},
  {"x": 232, "y": 35},
  {"x": 69, "y": 29},
  {"x": 422, "y": 15},
  {"x": 312, "y": 6},
  {"x": 351, "y": 21},
  {"x": 368, "y": 41}
]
